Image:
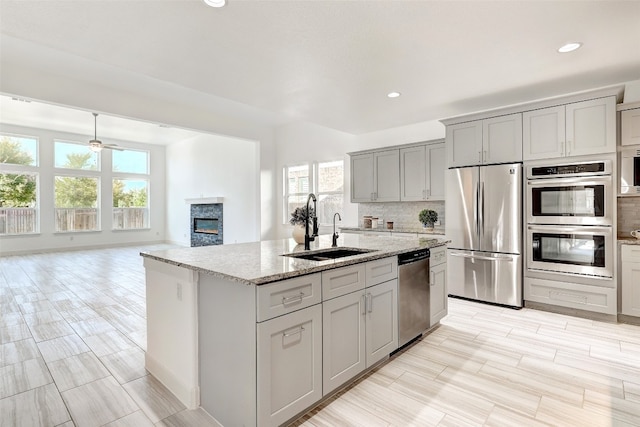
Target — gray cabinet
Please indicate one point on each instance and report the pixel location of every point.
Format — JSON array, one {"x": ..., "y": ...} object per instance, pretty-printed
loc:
[
  {"x": 422, "y": 172},
  {"x": 360, "y": 328},
  {"x": 375, "y": 177},
  {"x": 630, "y": 286},
  {"x": 493, "y": 140},
  {"x": 381, "y": 332},
  {"x": 289, "y": 371},
  {"x": 438, "y": 301},
  {"x": 630, "y": 124},
  {"x": 575, "y": 129}
]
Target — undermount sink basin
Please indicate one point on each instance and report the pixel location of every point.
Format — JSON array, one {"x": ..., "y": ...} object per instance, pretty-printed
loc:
[{"x": 329, "y": 254}]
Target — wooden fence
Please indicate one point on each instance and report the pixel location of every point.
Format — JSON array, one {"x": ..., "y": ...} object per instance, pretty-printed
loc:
[{"x": 18, "y": 220}]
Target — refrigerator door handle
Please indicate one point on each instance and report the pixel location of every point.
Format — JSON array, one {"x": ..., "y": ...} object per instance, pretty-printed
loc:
[
  {"x": 476, "y": 216},
  {"x": 482, "y": 211},
  {"x": 483, "y": 258}
]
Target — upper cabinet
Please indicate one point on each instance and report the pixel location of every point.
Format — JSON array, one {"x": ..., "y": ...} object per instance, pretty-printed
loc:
[
  {"x": 576, "y": 129},
  {"x": 422, "y": 172},
  {"x": 488, "y": 141},
  {"x": 630, "y": 126},
  {"x": 375, "y": 177}
]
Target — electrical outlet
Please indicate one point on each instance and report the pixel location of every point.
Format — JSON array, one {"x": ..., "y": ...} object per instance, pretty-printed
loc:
[{"x": 179, "y": 291}]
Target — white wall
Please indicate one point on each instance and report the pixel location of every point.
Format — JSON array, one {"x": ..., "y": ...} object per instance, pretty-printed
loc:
[
  {"x": 48, "y": 239},
  {"x": 214, "y": 166}
]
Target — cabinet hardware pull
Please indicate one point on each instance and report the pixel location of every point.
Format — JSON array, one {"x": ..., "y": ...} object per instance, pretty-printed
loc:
[
  {"x": 299, "y": 331},
  {"x": 479, "y": 156},
  {"x": 568, "y": 148},
  {"x": 484, "y": 156},
  {"x": 364, "y": 304},
  {"x": 294, "y": 298},
  {"x": 369, "y": 303}
]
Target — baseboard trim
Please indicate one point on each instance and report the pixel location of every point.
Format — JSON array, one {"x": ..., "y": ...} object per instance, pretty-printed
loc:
[
  {"x": 189, "y": 396},
  {"x": 575, "y": 312}
]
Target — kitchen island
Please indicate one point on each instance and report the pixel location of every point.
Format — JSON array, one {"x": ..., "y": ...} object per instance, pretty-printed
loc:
[{"x": 247, "y": 333}]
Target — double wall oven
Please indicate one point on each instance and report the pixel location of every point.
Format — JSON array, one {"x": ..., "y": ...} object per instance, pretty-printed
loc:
[{"x": 570, "y": 220}]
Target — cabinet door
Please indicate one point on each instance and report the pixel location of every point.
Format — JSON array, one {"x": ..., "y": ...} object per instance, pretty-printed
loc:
[
  {"x": 543, "y": 133},
  {"x": 438, "y": 302},
  {"x": 502, "y": 139},
  {"x": 630, "y": 127},
  {"x": 464, "y": 144},
  {"x": 382, "y": 320},
  {"x": 436, "y": 166},
  {"x": 631, "y": 288},
  {"x": 591, "y": 127},
  {"x": 362, "y": 178},
  {"x": 343, "y": 340},
  {"x": 413, "y": 173},
  {"x": 289, "y": 365},
  {"x": 386, "y": 176}
]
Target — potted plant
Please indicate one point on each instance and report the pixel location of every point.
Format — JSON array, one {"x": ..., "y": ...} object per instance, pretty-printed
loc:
[
  {"x": 298, "y": 220},
  {"x": 427, "y": 218}
]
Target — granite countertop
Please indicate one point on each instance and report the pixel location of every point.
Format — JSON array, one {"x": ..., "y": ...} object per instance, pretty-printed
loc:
[
  {"x": 262, "y": 262},
  {"x": 628, "y": 240},
  {"x": 435, "y": 231}
]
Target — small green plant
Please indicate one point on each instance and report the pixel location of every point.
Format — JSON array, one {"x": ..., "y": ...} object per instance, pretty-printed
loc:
[
  {"x": 428, "y": 217},
  {"x": 299, "y": 215}
]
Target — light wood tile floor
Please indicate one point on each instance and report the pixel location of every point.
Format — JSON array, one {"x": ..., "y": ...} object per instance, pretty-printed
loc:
[{"x": 73, "y": 336}]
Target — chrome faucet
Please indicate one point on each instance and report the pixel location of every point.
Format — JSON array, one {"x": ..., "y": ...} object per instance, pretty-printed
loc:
[
  {"x": 335, "y": 235},
  {"x": 308, "y": 239}
]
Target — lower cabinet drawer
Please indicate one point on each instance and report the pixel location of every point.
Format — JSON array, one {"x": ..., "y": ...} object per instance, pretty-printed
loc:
[
  {"x": 584, "y": 297},
  {"x": 278, "y": 298},
  {"x": 438, "y": 255},
  {"x": 630, "y": 253},
  {"x": 381, "y": 270}
]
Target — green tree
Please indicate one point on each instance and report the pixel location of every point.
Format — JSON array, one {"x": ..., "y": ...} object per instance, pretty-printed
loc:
[
  {"x": 128, "y": 198},
  {"x": 16, "y": 189},
  {"x": 76, "y": 192}
]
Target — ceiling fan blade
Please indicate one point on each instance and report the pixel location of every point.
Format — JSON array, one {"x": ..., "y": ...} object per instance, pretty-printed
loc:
[{"x": 112, "y": 147}]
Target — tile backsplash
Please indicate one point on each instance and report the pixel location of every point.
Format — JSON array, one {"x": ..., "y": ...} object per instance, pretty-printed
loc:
[
  {"x": 628, "y": 215},
  {"x": 403, "y": 214}
]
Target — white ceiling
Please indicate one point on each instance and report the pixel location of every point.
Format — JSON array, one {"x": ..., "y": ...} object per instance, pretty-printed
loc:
[{"x": 333, "y": 62}]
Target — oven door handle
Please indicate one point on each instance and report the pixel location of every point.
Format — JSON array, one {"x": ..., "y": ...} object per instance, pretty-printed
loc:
[
  {"x": 480, "y": 257},
  {"x": 566, "y": 182},
  {"x": 587, "y": 229}
]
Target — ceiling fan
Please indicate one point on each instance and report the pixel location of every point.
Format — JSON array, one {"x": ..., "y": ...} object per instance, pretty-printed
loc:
[{"x": 95, "y": 144}]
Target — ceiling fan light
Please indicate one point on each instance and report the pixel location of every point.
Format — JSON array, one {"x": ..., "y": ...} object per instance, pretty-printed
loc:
[
  {"x": 95, "y": 146},
  {"x": 215, "y": 3}
]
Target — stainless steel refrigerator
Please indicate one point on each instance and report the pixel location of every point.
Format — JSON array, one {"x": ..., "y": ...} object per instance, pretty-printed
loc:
[{"x": 484, "y": 222}]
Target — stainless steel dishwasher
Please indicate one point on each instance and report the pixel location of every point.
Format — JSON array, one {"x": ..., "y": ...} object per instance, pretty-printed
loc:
[{"x": 413, "y": 295}]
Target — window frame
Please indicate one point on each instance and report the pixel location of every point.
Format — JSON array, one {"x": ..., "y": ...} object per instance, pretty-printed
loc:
[
  {"x": 132, "y": 176},
  {"x": 314, "y": 179},
  {"x": 33, "y": 170}
]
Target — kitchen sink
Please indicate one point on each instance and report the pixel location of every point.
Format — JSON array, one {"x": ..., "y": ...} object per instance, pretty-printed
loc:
[{"x": 328, "y": 254}]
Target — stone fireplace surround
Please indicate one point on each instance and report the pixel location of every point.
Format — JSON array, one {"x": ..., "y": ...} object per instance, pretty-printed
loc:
[{"x": 206, "y": 208}]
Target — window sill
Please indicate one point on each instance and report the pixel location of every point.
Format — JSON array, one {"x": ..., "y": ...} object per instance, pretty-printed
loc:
[{"x": 118, "y": 230}]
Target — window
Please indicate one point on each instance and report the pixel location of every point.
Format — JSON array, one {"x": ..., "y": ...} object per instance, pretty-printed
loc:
[
  {"x": 330, "y": 190},
  {"x": 71, "y": 155},
  {"x": 76, "y": 194},
  {"x": 130, "y": 204},
  {"x": 326, "y": 181},
  {"x": 297, "y": 182},
  {"x": 76, "y": 201},
  {"x": 130, "y": 161},
  {"x": 130, "y": 189},
  {"x": 18, "y": 185}
]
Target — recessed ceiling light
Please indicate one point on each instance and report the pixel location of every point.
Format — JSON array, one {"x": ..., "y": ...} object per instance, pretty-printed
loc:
[
  {"x": 569, "y": 47},
  {"x": 393, "y": 94},
  {"x": 215, "y": 3}
]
